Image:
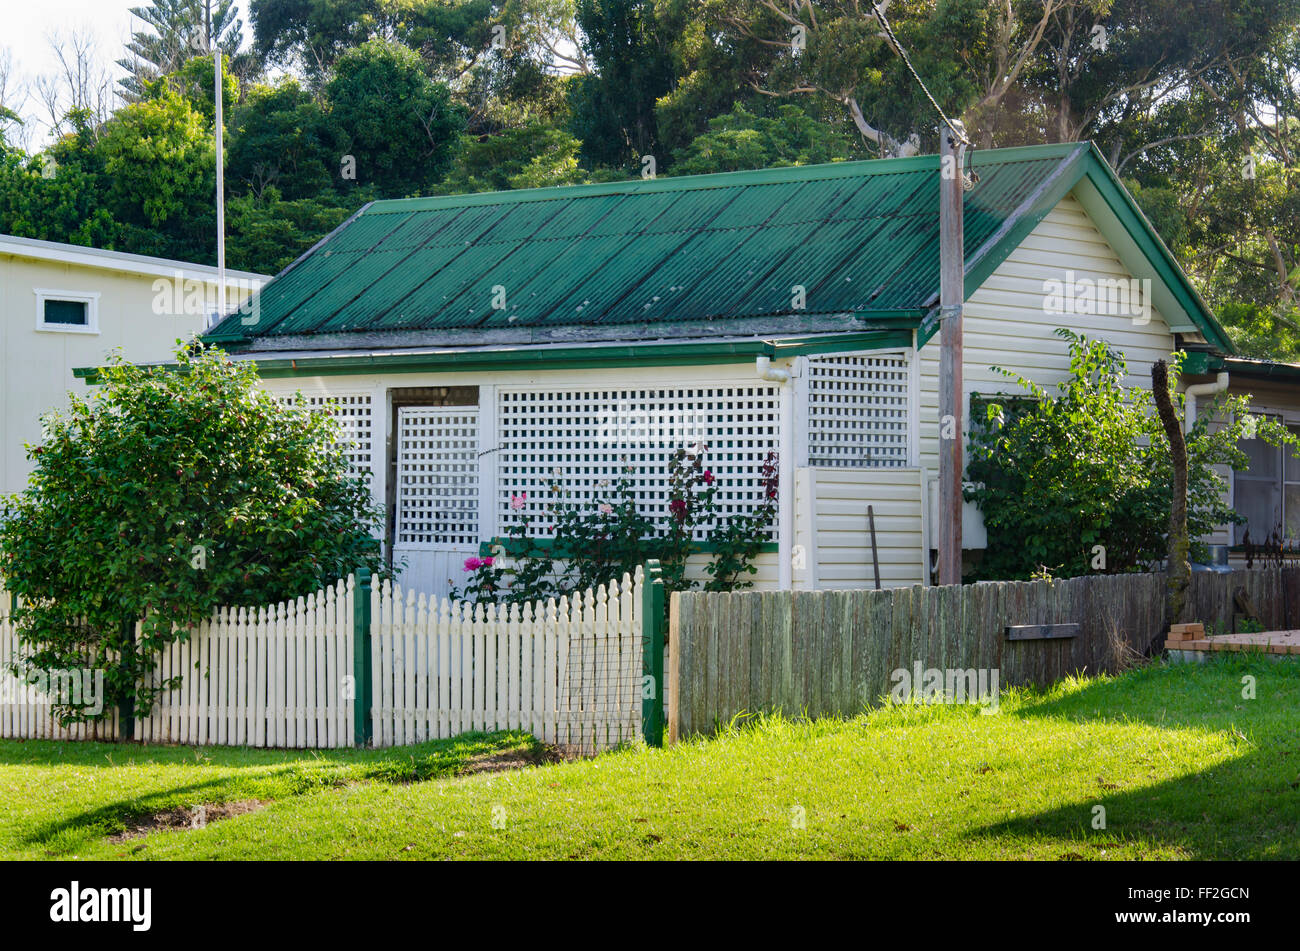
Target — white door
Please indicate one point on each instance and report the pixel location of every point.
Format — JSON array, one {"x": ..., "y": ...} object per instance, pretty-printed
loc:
[{"x": 437, "y": 500}]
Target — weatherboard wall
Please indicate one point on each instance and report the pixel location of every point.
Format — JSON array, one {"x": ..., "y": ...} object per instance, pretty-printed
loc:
[{"x": 1006, "y": 323}]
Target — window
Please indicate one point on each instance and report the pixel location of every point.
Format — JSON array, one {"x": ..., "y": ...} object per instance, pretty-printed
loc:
[
  {"x": 67, "y": 311},
  {"x": 1267, "y": 493},
  {"x": 858, "y": 410}
]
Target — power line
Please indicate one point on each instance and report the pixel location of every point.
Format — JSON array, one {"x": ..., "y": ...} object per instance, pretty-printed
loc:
[{"x": 889, "y": 32}]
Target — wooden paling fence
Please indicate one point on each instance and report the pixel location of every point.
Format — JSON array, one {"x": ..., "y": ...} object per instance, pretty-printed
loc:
[
  {"x": 286, "y": 675},
  {"x": 569, "y": 672},
  {"x": 833, "y": 653}
]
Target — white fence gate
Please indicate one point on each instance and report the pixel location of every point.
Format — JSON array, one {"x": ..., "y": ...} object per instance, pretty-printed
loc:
[{"x": 569, "y": 672}]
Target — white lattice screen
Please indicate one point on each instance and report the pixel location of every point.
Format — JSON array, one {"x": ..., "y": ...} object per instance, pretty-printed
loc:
[
  {"x": 437, "y": 477},
  {"x": 583, "y": 439},
  {"x": 356, "y": 417},
  {"x": 858, "y": 410}
]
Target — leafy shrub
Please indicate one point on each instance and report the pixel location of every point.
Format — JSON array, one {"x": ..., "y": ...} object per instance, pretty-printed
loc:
[
  {"x": 1057, "y": 475},
  {"x": 166, "y": 493}
]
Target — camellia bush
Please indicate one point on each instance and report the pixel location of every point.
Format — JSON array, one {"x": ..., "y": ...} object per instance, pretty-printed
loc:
[
  {"x": 1080, "y": 481},
  {"x": 166, "y": 493}
]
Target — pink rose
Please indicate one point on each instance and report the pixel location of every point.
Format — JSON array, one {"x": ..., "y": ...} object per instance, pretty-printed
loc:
[{"x": 517, "y": 501}]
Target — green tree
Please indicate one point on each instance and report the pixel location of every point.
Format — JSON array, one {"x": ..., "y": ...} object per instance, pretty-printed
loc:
[
  {"x": 177, "y": 31},
  {"x": 159, "y": 165},
  {"x": 266, "y": 233},
  {"x": 398, "y": 124},
  {"x": 614, "y": 108},
  {"x": 280, "y": 138},
  {"x": 58, "y": 195},
  {"x": 165, "y": 495},
  {"x": 741, "y": 140},
  {"x": 534, "y": 156},
  {"x": 1057, "y": 474}
]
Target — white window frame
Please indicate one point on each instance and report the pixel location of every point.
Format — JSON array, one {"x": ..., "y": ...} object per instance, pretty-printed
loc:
[{"x": 89, "y": 298}]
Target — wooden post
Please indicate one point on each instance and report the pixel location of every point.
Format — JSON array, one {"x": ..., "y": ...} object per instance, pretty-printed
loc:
[
  {"x": 362, "y": 666},
  {"x": 652, "y": 646},
  {"x": 951, "y": 296},
  {"x": 875, "y": 554}
]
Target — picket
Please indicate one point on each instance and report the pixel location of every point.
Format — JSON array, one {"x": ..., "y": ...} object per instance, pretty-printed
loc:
[{"x": 281, "y": 675}]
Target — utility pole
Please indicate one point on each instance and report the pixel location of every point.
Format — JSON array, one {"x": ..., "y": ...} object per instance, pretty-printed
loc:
[{"x": 952, "y": 294}]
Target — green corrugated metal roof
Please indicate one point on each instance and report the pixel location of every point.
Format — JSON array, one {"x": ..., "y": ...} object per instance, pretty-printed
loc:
[{"x": 860, "y": 237}]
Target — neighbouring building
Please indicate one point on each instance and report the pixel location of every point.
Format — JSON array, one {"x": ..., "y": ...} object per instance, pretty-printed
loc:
[{"x": 64, "y": 306}]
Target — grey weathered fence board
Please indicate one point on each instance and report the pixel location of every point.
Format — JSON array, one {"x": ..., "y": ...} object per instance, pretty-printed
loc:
[{"x": 832, "y": 653}]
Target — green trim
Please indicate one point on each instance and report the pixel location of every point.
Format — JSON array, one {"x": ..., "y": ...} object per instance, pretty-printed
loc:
[
  {"x": 1201, "y": 362},
  {"x": 363, "y": 728},
  {"x": 512, "y": 547},
  {"x": 1258, "y": 369},
  {"x": 595, "y": 357},
  {"x": 1148, "y": 240},
  {"x": 652, "y": 654}
]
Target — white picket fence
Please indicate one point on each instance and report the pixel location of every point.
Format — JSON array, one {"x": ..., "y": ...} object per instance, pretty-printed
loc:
[
  {"x": 567, "y": 672},
  {"x": 275, "y": 676},
  {"x": 26, "y": 712},
  {"x": 282, "y": 675}
]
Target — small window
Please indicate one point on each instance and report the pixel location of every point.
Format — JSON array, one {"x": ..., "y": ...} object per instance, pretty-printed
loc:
[
  {"x": 67, "y": 311},
  {"x": 1267, "y": 493}
]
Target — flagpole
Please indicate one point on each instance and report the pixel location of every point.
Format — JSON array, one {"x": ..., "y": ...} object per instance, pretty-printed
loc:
[
  {"x": 221, "y": 190},
  {"x": 221, "y": 171}
]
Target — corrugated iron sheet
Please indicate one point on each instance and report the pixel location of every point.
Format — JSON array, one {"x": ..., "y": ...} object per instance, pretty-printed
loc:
[{"x": 858, "y": 238}]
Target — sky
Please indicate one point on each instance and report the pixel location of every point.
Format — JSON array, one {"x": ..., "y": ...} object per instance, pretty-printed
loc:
[{"x": 25, "y": 26}]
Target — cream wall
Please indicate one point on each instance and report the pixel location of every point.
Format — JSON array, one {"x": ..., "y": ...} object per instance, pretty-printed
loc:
[
  {"x": 36, "y": 366},
  {"x": 1006, "y": 324}
]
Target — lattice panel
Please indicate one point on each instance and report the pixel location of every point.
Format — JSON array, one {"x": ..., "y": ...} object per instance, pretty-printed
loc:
[
  {"x": 437, "y": 477},
  {"x": 356, "y": 417},
  {"x": 858, "y": 411},
  {"x": 583, "y": 439}
]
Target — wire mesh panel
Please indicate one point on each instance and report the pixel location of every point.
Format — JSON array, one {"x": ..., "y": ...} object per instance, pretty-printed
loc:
[
  {"x": 582, "y": 441},
  {"x": 355, "y": 414},
  {"x": 437, "y": 477},
  {"x": 858, "y": 410}
]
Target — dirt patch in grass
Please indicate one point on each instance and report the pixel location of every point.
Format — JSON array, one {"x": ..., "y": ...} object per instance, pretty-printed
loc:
[
  {"x": 503, "y": 760},
  {"x": 185, "y": 817}
]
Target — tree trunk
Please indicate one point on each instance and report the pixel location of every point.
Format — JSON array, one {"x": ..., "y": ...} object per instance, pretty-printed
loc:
[{"x": 1179, "y": 569}]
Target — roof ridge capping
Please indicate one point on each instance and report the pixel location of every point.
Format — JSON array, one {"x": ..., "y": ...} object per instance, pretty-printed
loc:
[{"x": 679, "y": 183}]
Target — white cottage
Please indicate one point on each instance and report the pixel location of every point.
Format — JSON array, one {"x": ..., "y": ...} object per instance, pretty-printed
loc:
[{"x": 476, "y": 344}]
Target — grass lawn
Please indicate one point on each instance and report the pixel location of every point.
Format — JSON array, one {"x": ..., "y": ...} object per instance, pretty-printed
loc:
[{"x": 1183, "y": 764}]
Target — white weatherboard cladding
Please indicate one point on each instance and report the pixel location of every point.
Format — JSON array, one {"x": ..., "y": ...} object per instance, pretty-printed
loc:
[
  {"x": 834, "y": 530},
  {"x": 858, "y": 410},
  {"x": 1006, "y": 325},
  {"x": 584, "y": 439}
]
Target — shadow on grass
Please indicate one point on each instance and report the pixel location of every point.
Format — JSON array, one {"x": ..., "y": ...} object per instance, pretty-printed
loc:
[
  {"x": 1245, "y": 807},
  {"x": 305, "y": 772}
]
